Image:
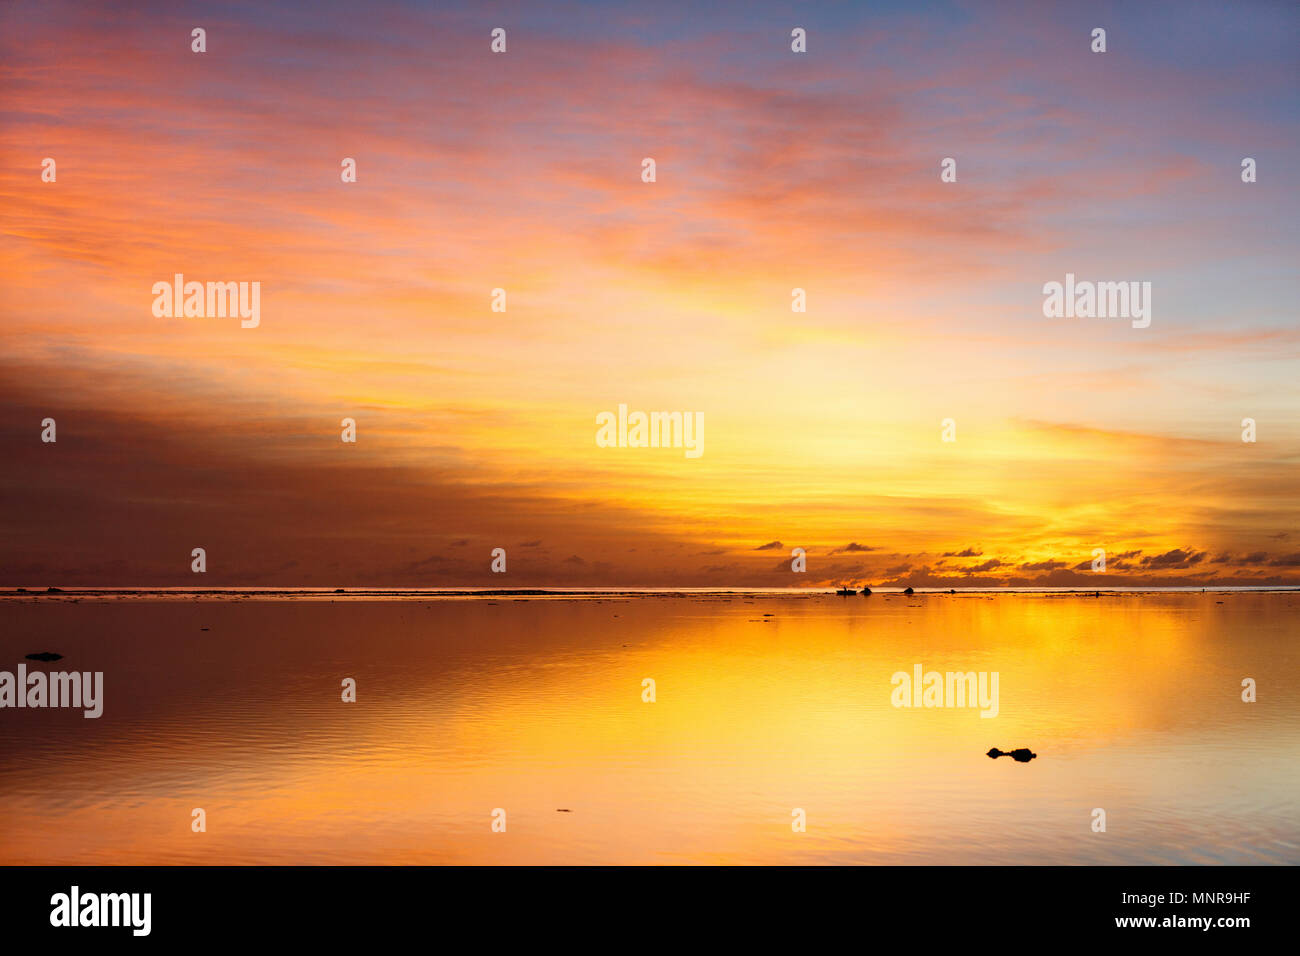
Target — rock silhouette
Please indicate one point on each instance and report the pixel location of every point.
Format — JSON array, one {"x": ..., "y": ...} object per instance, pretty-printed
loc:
[
  {"x": 908, "y": 591},
  {"x": 866, "y": 590},
  {"x": 45, "y": 656},
  {"x": 1023, "y": 755}
]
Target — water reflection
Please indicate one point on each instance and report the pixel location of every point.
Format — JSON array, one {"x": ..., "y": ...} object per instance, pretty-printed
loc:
[{"x": 764, "y": 704}]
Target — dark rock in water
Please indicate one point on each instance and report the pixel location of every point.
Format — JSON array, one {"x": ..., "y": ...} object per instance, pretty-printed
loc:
[
  {"x": 908, "y": 591},
  {"x": 54, "y": 590},
  {"x": 866, "y": 590},
  {"x": 1023, "y": 755},
  {"x": 339, "y": 591},
  {"x": 952, "y": 590},
  {"x": 22, "y": 590},
  {"x": 45, "y": 656},
  {"x": 846, "y": 591},
  {"x": 561, "y": 810}
]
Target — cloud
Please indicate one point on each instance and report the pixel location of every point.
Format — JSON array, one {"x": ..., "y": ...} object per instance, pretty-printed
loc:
[
  {"x": 854, "y": 546},
  {"x": 1177, "y": 558}
]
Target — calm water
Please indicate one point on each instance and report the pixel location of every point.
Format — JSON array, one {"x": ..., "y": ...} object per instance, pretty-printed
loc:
[{"x": 764, "y": 704}]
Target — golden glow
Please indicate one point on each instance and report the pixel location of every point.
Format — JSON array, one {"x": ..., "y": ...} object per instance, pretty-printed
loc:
[{"x": 763, "y": 705}]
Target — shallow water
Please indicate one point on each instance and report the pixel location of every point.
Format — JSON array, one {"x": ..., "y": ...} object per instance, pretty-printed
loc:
[{"x": 765, "y": 704}]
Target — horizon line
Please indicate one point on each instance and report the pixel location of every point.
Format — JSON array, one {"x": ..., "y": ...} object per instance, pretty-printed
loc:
[{"x": 830, "y": 590}]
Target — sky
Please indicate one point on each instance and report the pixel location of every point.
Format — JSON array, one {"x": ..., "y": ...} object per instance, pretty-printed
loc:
[{"x": 774, "y": 170}]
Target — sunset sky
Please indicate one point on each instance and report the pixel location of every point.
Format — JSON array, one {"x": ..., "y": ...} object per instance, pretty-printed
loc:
[{"x": 775, "y": 170}]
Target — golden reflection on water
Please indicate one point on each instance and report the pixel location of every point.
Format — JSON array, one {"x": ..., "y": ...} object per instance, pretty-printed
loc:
[{"x": 764, "y": 704}]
